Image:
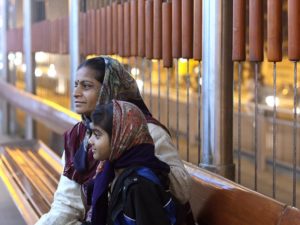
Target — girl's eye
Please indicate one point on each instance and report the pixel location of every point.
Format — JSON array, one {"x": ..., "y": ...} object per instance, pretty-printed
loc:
[
  {"x": 89, "y": 133},
  {"x": 97, "y": 135}
]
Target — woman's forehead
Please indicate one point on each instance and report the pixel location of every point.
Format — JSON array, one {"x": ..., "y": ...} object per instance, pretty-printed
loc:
[{"x": 85, "y": 73}]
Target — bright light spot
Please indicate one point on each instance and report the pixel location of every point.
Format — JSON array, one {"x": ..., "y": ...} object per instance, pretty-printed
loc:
[
  {"x": 61, "y": 87},
  {"x": 38, "y": 72},
  {"x": 23, "y": 67},
  {"x": 18, "y": 59},
  {"x": 140, "y": 84},
  {"x": 200, "y": 81},
  {"x": 1, "y": 66},
  {"x": 19, "y": 55},
  {"x": 11, "y": 56},
  {"x": 285, "y": 91},
  {"x": 270, "y": 101},
  {"x": 41, "y": 57},
  {"x": 297, "y": 110},
  {"x": 135, "y": 71},
  {"x": 196, "y": 70},
  {"x": 52, "y": 71},
  {"x": 182, "y": 60}
]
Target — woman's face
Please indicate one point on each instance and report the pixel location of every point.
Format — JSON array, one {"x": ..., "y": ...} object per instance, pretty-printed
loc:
[
  {"x": 100, "y": 143},
  {"x": 86, "y": 91}
]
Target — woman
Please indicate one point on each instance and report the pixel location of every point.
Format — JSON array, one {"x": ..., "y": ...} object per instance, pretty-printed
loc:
[
  {"x": 99, "y": 80},
  {"x": 120, "y": 135}
]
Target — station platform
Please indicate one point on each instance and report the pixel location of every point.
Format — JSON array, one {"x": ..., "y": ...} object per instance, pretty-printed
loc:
[{"x": 10, "y": 215}]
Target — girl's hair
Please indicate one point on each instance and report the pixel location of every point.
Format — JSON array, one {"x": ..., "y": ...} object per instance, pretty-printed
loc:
[
  {"x": 98, "y": 65},
  {"x": 103, "y": 117}
]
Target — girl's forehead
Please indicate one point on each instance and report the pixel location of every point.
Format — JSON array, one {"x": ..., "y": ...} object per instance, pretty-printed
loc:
[{"x": 96, "y": 128}]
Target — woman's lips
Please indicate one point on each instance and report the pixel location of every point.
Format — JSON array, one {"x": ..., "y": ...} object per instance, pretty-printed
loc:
[{"x": 79, "y": 103}]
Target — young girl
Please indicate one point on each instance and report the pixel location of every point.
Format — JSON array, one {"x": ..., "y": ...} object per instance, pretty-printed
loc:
[{"x": 139, "y": 194}]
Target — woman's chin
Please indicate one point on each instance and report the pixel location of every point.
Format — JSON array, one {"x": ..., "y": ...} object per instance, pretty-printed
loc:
[{"x": 80, "y": 111}]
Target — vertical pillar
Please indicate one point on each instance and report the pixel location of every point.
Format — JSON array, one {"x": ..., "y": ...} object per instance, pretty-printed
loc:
[
  {"x": 11, "y": 68},
  {"x": 73, "y": 42},
  {"x": 4, "y": 65},
  {"x": 29, "y": 75},
  {"x": 217, "y": 117}
]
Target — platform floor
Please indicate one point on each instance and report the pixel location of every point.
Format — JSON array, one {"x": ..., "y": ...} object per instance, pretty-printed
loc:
[{"x": 9, "y": 213}]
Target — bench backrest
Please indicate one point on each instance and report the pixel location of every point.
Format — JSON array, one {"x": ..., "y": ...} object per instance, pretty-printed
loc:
[{"x": 218, "y": 201}]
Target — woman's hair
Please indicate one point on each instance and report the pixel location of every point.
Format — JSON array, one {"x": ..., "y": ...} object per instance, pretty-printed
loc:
[
  {"x": 98, "y": 65},
  {"x": 103, "y": 117}
]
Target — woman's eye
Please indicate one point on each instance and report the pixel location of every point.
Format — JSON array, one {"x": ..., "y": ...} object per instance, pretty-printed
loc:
[{"x": 87, "y": 86}]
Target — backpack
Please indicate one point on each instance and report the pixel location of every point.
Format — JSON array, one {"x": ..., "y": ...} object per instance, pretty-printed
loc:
[{"x": 117, "y": 215}]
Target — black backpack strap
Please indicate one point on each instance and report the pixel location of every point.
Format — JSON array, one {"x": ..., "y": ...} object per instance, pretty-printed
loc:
[
  {"x": 118, "y": 196},
  {"x": 128, "y": 179}
]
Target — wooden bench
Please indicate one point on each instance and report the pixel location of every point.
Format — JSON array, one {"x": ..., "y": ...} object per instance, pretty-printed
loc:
[
  {"x": 218, "y": 201},
  {"x": 31, "y": 172}
]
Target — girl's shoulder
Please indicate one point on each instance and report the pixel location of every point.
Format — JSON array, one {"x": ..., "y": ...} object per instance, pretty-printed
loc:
[
  {"x": 138, "y": 192},
  {"x": 140, "y": 182}
]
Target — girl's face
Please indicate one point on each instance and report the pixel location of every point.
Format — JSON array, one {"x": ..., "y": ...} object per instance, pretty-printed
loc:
[
  {"x": 86, "y": 91},
  {"x": 100, "y": 143}
]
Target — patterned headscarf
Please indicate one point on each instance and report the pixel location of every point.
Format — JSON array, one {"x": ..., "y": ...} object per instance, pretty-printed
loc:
[
  {"x": 117, "y": 84},
  {"x": 129, "y": 129},
  {"x": 120, "y": 85}
]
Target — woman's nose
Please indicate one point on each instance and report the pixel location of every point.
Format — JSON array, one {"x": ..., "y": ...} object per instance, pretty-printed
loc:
[{"x": 77, "y": 92}]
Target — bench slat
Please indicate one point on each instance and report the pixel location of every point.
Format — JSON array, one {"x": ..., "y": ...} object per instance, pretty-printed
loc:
[
  {"x": 25, "y": 208},
  {"x": 29, "y": 189},
  {"x": 32, "y": 173},
  {"x": 41, "y": 170}
]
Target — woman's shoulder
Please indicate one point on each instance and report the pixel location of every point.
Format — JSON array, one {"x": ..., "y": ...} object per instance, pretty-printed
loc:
[
  {"x": 76, "y": 129},
  {"x": 157, "y": 131},
  {"x": 73, "y": 137}
]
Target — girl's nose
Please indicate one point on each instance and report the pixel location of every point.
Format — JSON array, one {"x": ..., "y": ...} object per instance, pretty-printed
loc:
[{"x": 90, "y": 141}]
